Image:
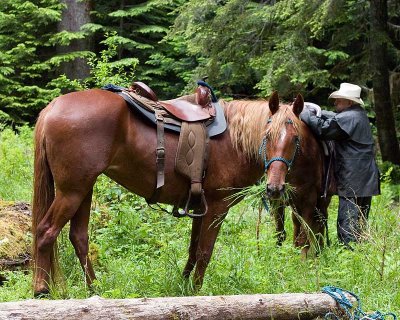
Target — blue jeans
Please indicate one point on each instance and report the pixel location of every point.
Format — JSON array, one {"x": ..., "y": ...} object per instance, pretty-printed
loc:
[{"x": 352, "y": 214}]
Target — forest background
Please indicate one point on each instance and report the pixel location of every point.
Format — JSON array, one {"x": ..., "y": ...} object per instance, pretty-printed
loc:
[{"x": 246, "y": 49}]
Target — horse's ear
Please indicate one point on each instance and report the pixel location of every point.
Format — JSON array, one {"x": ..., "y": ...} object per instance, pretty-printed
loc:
[
  {"x": 298, "y": 105},
  {"x": 273, "y": 102}
]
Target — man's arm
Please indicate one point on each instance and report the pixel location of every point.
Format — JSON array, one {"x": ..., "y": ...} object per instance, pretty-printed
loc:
[{"x": 325, "y": 127}]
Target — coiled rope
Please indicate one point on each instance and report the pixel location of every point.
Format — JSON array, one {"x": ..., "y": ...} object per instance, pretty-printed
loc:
[{"x": 353, "y": 312}]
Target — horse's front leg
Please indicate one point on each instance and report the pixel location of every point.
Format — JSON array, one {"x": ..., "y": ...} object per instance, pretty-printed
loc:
[
  {"x": 194, "y": 241},
  {"x": 307, "y": 227},
  {"x": 279, "y": 217},
  {"x": 210, "y": 226},
  {"x": 322, "y": 211}
]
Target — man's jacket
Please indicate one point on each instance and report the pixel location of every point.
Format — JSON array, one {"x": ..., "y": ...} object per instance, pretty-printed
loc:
[{"x": 356, "y": 171}]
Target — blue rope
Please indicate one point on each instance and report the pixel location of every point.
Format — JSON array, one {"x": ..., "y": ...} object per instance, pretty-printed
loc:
[
  {"x": 265, "y": 203},
  {"x": 263, "y": 197},
  {"x": 285, "y": 161},
  {"x": 262, "y": 151},
  {"x": 113, "y": 88},
  {"x": 354, "y": 313}
]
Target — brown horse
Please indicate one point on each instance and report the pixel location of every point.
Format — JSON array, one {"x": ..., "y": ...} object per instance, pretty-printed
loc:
[
  {"x": 80, "y": 135},
  {"x": 293, "y": 156}
]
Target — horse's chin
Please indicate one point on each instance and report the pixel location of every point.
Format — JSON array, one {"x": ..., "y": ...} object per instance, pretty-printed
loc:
[{"x": 274, "y": 196}]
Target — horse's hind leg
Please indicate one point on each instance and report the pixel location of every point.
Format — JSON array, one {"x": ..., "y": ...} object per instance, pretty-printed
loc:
[
  {"x": 60, "y": 212},
  {"x": 79, "y": 237},
  {"x": 194, "y": 240}
]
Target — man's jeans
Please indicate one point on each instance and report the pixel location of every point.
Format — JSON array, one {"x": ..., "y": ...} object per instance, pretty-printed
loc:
[{"x": 352, "y": 215}]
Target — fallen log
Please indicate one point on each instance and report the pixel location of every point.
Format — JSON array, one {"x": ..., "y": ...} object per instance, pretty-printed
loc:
[{"x": 259, "y": 306}]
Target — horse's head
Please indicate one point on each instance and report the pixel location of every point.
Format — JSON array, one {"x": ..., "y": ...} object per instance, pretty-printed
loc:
[{"x": 281, "y": 143}]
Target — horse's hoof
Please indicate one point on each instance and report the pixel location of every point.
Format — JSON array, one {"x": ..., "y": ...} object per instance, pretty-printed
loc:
[
  {"x": 186, "y": 274},
  {"x": 280, "y": 238},
  {"x": 40, "y": 294}
]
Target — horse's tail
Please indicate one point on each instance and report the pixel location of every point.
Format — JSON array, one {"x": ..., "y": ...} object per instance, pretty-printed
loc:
[{"x": 43, "y": 189}]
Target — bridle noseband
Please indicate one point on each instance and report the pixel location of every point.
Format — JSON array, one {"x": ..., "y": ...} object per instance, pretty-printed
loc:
[{"x": 263, "y": 151}]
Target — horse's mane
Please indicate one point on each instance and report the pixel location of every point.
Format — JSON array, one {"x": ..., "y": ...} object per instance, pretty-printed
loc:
[
  {"x": 279, "y": 119},
  {"x": 247, "y": 121}
]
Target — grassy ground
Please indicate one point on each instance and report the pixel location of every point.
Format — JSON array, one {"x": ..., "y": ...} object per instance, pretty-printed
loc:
[{"x": 141, "y": 253}]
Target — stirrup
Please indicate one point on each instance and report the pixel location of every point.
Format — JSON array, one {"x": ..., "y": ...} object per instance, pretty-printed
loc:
[
  {"x": 203, "y": 201},
  {"x": 185, "y": 212}
]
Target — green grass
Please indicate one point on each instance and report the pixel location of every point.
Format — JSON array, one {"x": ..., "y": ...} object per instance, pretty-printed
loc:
[
  {"x": 141, "y": 253},
  {"x": 16, "y": 164}
]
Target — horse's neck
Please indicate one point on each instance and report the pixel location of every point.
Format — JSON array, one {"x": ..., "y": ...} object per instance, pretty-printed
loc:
[{"x": 310, "y": 146}]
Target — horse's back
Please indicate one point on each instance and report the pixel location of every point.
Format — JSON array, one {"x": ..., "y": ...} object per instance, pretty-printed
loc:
[{"x": 81, "y": 106}]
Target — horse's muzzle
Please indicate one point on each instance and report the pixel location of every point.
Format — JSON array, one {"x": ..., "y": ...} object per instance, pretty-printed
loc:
[{"x": 275, "y": 191}]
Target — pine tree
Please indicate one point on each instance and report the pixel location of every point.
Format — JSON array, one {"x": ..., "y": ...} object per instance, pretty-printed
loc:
[
  {"x": 140, "y": 27},
  {"x": 26, "y": 51}
]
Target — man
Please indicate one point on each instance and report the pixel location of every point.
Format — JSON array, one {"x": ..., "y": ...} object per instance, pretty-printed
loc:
[{"x": 355, "y": 168}]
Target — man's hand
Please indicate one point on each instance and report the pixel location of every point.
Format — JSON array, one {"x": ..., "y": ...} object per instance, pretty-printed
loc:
[{"x": 313, "y": 108}]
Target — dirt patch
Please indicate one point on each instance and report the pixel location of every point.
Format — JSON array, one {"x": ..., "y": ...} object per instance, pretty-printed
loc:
[{"x": 15, "y": 234}]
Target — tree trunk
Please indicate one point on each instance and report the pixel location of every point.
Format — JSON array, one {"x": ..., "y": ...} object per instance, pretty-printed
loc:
[
  {"x": 75, "y": 15},
  {"x": 261, "y": 306},
  {"x": 385, "y": 122}
]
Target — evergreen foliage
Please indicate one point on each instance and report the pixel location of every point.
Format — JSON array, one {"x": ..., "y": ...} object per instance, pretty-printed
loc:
[
  {"x": 289, "y": 46},
  {"x": 140, "y": 27},
  {"x": 29, "y": 72},
  {"x": 246, "y": 48},
  {"x": 26, "y": 30}
]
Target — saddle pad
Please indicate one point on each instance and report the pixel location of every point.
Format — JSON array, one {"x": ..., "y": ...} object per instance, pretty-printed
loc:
[{"x": 214, "y": 128}]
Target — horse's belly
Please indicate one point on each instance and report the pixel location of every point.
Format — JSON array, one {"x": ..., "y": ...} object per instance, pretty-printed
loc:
[{"x": 140, "y": 179}]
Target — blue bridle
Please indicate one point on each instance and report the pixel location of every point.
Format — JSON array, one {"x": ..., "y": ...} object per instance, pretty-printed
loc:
[{"x": 263, "y": 151}]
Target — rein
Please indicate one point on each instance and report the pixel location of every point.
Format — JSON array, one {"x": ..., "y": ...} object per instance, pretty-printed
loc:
[{"x": 263, "y": 151}]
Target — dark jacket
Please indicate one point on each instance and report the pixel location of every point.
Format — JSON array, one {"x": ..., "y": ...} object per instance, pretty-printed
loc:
[{"x": 356, "y": 171}]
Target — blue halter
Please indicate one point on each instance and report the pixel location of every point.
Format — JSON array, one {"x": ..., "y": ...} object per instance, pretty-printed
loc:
[{"x": 263, "y": 151}]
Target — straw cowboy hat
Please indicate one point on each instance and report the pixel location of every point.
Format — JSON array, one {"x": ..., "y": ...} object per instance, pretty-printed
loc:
[{"x": 348, "y": 91}]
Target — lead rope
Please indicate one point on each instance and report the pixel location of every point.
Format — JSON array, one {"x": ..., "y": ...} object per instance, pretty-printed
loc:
[{"x": 353, "y": 312}]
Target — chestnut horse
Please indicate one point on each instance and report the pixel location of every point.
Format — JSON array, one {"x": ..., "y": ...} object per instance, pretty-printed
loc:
[
  {"x": 80, "y": 135},
  {"x": 293, "y": 156}
]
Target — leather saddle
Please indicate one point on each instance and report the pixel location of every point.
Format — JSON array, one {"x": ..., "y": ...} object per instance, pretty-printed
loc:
[
  {"x": 196, "y": 117},
  {"x": 183, "y": 109},
  {"x": 190, "y": 108}
]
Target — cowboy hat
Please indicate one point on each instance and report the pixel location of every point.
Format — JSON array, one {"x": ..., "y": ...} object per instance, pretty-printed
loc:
[{"x": 348, "y": 91}]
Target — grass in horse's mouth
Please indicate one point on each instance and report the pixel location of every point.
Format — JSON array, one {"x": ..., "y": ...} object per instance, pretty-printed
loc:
[{"x": 255, "y": 194}]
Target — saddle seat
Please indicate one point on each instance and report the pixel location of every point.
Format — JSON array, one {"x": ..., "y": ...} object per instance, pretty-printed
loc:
[{"x": 192, "y": 108}]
